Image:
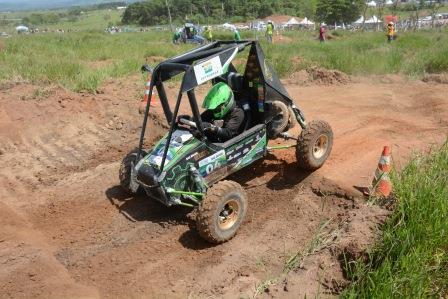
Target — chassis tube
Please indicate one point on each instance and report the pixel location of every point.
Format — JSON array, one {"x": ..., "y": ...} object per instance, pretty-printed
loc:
[
  {"x": 195, "y": 109},
  {"x": 164, "y": 100},
  {"x": 170, "y": 133},
  {"x": 145, "y": 120}
]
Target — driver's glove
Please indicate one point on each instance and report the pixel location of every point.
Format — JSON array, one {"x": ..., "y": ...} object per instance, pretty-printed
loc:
[{"x": 209, "y": 128}]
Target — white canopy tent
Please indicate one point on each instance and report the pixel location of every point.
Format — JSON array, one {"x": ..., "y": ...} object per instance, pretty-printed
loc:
[
  {"x": 373, "y": 20},
  {"x": 305, "y": 21},
  {"x": 228, "y": 26},
  {"x": 359, "y": 21},
  {"x": 371, "y": 3},
  {"x": 292, "y": 21}
]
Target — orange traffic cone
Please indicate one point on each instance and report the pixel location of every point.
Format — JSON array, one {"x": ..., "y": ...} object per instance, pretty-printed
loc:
[
  {"x": 381, "y": 184},
  {"x": 142, "y": 106}
]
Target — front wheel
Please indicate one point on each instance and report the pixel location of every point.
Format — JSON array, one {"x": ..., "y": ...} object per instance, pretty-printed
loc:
[
  {"x": 314, "y": 145},
  {"x": 221, "y": 212},
  {"x": 126, "y": 170}
]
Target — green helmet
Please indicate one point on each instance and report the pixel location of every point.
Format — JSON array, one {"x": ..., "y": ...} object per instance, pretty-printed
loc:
[{"x": 219, "y": 100}]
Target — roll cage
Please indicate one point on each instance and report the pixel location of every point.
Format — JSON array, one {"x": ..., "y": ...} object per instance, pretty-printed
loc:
[{"x": 207, "y": 63}]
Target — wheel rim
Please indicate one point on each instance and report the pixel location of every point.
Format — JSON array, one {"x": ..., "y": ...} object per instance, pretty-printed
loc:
[
  {"x": 320, "y": 146},
  {"x": 229, "y": 214},
  {"x": 277, "y": 120}
]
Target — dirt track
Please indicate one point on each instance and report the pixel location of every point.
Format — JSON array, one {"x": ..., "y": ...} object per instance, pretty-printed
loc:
[{"x": 68, "y": 230}]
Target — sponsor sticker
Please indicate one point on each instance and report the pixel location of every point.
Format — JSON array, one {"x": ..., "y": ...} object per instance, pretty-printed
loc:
[
  {"x": 208, "y": 70},
  {"x": 211, "y": 163}
]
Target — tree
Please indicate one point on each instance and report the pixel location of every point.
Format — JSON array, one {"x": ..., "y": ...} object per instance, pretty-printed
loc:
[
  {"x": 152, "y": 12},
  {"x": 169, "y": 15},
  {"x": 338, "y": 11},
  {"x": 380, "y": 7},
  {"x": 434, "y": 6},
  {"x": 307, "y": 8}
]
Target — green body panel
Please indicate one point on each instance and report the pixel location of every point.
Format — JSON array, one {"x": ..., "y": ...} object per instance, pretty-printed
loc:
[{"x": 212, "y": 160}]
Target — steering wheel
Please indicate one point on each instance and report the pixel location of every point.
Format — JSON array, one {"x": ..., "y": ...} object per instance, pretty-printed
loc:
[
  {"x": 187, "y": 122},
  {"x": 192, "y": 124}
]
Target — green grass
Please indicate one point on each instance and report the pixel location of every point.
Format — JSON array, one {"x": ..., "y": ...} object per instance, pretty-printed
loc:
[
  {"x": 69, "y": 59},
  {"x": 365, "y": 53},
  {"x": 411, "y": 260}
]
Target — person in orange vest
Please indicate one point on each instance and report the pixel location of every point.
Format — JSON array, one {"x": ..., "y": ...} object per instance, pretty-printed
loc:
[{"x": 390, "y": 31}]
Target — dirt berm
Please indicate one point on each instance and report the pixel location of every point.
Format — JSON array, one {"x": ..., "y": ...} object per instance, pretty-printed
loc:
[{"x": 69, "y": 231}]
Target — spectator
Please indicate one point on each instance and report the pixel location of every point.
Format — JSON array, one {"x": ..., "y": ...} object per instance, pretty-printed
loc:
[
  {"x": 269, "y": 31},
  {"x": 390, "y": 32},
  {"x": 236, "y": 35},
  {"x": 322, "y": 33},
  {"x": 208, "y": 34}
]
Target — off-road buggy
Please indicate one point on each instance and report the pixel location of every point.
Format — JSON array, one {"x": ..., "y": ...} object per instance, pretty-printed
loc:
[
  {"x": 190, "y": 34},
  {"x": 185, "y": 168}
]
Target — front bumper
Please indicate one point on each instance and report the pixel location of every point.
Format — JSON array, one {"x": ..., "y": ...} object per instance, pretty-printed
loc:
[{"x": 147, "y": 178}]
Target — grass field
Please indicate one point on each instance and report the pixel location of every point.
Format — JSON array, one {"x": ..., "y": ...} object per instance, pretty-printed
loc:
[
  {"x": 82, "y": 60},
  {"x": 411, "y": 260}
]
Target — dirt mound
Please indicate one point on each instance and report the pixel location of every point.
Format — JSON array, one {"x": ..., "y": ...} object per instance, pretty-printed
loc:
[
  {"x": 69, "y": 230},
  {"x": 324, "y": 76},
  {"x": 26, "y": 256},
  {"x": 436, "y": 78},
  {"x": 52, "y": 130},
  {"x": 317, "y": 75}
]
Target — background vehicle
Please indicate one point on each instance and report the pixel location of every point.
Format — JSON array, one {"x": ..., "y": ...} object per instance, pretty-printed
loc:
[{"x": 191, "y": 33}]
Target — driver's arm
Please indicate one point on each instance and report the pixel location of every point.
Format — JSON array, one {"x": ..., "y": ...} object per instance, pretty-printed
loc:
[{"x": 231, "y": 127}]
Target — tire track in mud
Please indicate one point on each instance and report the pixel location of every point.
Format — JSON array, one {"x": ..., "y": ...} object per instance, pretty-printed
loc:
[{"x": 160, "y": 244}]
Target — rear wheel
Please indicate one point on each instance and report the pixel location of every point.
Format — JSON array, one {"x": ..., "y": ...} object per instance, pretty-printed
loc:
[
  {"x": 221, "y": 212},
  {"x": 279, "y": 113},
  {"x": 314, "y": 145}
]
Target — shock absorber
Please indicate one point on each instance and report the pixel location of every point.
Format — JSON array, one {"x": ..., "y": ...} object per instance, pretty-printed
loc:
[{"x": 198, "y": 181}]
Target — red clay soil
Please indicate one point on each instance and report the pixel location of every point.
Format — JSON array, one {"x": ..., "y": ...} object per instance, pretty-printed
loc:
[{"x": 68, "y": 230}]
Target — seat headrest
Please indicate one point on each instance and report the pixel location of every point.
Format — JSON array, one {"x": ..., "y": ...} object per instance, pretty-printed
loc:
[{"x": 235, "y": 81}]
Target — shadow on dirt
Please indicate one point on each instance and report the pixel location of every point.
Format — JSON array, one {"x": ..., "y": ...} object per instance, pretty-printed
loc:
[
  {"x": 192, "y": 240},
  {"x": 287, "y": 175},
  {"x": 141, "y": 208}
]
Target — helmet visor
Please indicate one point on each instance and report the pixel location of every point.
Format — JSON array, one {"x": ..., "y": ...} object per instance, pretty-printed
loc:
[{"x": 219, "y": 111}]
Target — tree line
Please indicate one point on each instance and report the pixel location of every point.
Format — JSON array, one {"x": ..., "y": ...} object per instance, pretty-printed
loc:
[
  {"x": 72, "y": 14},
  {"x": 155, "y": 12}
]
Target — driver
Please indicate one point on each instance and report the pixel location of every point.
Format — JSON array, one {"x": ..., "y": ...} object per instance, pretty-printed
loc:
[{"x": 220, "y": 105}]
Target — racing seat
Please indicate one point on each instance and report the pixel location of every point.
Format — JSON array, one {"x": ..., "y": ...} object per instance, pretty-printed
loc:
[{"x": 236, "y": 83}]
